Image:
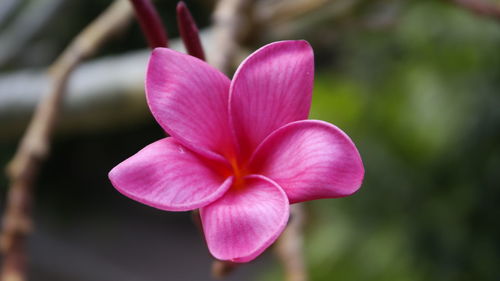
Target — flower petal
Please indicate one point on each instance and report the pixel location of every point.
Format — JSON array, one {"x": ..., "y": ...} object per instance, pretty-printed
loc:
[
  {"x": 271, "y": 88},
  {"x": 310, "y": 160},
  {"x": 167, "y": 176},
  {"x": 189, "y": 99},
  {"x": 246, "y": 220}
]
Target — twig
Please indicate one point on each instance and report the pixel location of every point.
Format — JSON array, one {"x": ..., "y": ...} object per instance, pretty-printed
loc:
[
  {"x": 289, "y": 247},
  {"x": 299, "y": 19},
  {"x": 480, "y": 7},
  {"x": 35, "y": 144},
  {"x": 232, "y": 25}
]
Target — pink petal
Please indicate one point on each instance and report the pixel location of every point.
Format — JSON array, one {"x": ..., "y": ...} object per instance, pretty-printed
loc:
[
  {"x": 271, "y": 88},
  {"x": 167, "y": 176},
  {"x": 189, "y": 99},
  {"x": 246, "y": 220},
  {"x": 310, "y": 160}
]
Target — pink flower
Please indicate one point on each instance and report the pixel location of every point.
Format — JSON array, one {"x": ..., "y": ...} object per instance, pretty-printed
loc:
[{"x": 239, "y": 150}]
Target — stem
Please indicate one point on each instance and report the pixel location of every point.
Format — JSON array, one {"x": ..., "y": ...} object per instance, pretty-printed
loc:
[
  {"x": 220, "y": 269},
  {"x": 289, "y": 247},
  {"x": 150, "y": 23},
  {"x": 232, "y": 20},
  {"x": 35, "y": 144},
  {"x": 189, "y": 31}
]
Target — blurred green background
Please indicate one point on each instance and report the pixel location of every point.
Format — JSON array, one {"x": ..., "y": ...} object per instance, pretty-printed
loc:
[{"x": 419, "y": 93}]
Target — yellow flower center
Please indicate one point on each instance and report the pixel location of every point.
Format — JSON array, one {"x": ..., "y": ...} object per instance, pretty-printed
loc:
[{"x": 238, "y": 173}]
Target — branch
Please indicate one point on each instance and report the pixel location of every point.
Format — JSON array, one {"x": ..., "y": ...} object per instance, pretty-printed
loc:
[
  {"x": 289, "y": 247},
  {"x": 480, "y": 7},
  {"x": 35, "y": 144},
  {"x": 92, "y": 93},
  {"x": 232, "y": 25}
]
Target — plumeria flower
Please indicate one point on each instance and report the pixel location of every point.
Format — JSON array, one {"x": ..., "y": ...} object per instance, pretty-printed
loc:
[{"x": 241, "y": 151}]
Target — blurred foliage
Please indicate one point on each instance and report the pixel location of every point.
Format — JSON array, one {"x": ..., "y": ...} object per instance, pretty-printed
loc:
[{"x": 421, "y": 99}]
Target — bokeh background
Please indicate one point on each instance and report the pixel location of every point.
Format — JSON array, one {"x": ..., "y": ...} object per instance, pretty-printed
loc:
[{"x": 416, "y": 84}]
